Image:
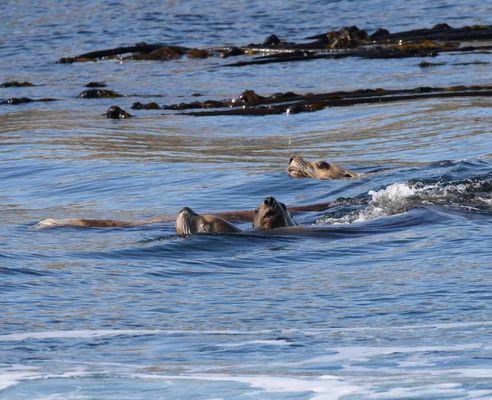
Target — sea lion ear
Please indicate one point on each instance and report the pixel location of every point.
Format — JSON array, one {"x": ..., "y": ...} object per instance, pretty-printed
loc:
[
  {"x": 348, "y": 175},
  {"x": 322, "y": 164}
]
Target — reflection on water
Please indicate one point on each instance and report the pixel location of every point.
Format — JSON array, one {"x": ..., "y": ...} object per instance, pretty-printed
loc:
[{"x": 385, "y": 300}]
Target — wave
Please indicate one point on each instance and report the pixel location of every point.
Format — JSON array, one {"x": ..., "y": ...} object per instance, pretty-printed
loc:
[
  {"x": 474, "y": 194},
  {"x": 98, "y": 333}
]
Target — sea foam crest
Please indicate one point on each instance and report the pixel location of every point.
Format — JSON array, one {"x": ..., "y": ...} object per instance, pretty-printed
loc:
[{"x": 397, "y": 198}]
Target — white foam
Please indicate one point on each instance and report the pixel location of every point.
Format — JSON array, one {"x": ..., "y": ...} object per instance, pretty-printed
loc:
[
  {"x": 447, "y": 325},
  {"x": 82, "y": 334},
  {"x": 88, "y": 334},
  {"x": 428, "y": 390},
  {"x": 359, "y": 354},
  {"x": 324, "y": 388},
  {"x": 15, "y": 374},
  {"x": 402, "y": 196},
  {"x": 476, "y": 372},
  {"x": 48, "y": 223}
]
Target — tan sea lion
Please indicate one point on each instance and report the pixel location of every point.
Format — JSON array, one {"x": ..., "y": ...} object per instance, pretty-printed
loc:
[
  {"x": 300, "y": 168},
  {"x": 189, "y": 222},
  {"x": 272, "y": 214},
  {"x": 230, "y": 216}
]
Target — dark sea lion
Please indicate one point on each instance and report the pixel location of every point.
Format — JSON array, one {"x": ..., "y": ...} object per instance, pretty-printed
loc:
[
  {"x": 189, "y": 222},
  {"x": 272, "y": 214},
  {"x": 98, "y": 94},
  {"x": 300, "y": 168},
  {"x": 116, "y": 112},
  {"x": 247, "y": 98}
]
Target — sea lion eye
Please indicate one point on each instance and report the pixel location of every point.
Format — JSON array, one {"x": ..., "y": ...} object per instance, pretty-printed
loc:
[
  {"x": 291, "y": 159},
  {"x": 256, "y": 211},
  {"x": 323, "y": 165}
]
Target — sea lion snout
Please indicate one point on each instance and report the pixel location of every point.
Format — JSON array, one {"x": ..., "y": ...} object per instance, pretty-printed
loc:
[
  {"x": 320, "y": 169},
  {"x": 186, "y": 210}
]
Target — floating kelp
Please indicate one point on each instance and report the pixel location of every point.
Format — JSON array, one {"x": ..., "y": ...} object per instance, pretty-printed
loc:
[
  {"x": 349, "y": 41},
  {"x": 98, "y": 94},
  {"x": 250, "y": 103},
  {"x": 145, "y": 106},
  {"x": 10, "y": 84},
  {"x": 24, "y": 100}
]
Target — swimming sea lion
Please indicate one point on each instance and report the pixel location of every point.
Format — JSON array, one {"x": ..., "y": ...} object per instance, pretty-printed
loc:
[
  {"x": 98, "y": 94},
  {"x": 300, "y": 168},
  {"x": 116, "y": 112},
  {"x": 189, "y": 222},
  {"x": 272, "y": 214},
  {"x": 230, "y": 216}
]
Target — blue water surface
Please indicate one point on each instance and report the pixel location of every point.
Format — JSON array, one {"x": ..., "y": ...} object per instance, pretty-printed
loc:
[{"x": 388, "y": 300}]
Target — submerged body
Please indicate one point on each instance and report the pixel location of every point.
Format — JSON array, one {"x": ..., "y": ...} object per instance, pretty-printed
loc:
[
  {"x": 230, "y": 216},
  {"x": 300, "y": 168}
]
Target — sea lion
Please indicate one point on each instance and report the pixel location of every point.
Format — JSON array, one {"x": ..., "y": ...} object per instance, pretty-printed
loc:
[
  {"x": 189, "y": 222},
  {"x": 272, "y": 214},
  {"x": 98, "y": 94},
  {"x": 230, "y": 216},
  {"x": 300, "y": 168},
  {"x": 116, "y": 112}
]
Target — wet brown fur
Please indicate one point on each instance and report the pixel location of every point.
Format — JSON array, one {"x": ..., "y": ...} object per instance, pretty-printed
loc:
[{"x": 300, "y": 168}]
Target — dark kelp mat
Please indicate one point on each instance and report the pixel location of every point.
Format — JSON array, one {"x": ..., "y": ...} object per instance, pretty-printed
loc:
[
  {"x": 346, "y": 42},
  {"x": 250, "y": 103}
]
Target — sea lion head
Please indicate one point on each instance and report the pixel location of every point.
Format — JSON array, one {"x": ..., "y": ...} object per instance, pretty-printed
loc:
[
  {"x": 189, "y": 222},
  {"x": 116, "y": 112},
  {"x": 300, "y": 168},
  {"x": 272, "y": 214},
  {"x": 186, "y": 222}
]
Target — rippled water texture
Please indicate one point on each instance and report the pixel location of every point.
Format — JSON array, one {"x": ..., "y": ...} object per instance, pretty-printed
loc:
[{"x": 388, "y": 300}]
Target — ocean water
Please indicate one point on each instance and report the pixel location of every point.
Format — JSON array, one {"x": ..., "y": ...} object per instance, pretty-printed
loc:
[{"x": 388, "y": 300}]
